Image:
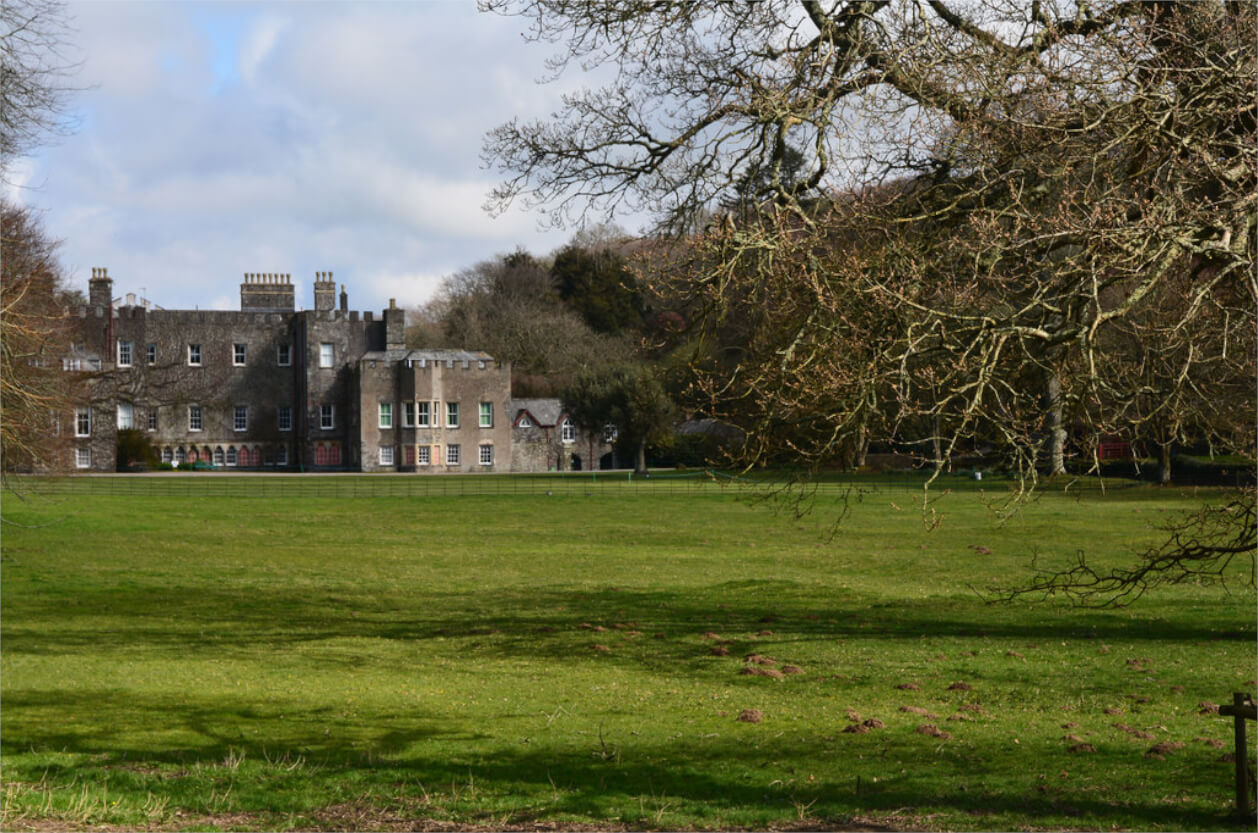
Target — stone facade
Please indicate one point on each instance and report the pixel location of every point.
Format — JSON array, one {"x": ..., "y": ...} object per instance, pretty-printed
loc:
[
  {"x": 271, "y": 387},
  {"x": 546, "y": 438},
  {"x": 434, "y": 411}
]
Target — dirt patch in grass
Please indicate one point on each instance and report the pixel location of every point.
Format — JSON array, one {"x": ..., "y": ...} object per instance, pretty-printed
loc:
[
  {"x": 960, "y": 687},
  {"x": 750, "y": 716},
  {"x": 719, "y": 651},
  {"x": 760, "y": 671},
  {"x": 758, "y": 659},
  {"x": 1161, "y": 750},
  {"x": 931, "y": 730},
  {"x": 909, "y": 687}
]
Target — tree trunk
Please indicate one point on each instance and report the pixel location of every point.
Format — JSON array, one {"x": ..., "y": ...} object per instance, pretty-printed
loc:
[
  {"x": 1164, "y": 462},
  {"x": 639, "y": 458},
  {"x": 1056, "y": 433}
]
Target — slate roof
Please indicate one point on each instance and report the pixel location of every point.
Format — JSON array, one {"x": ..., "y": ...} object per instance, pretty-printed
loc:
[
  {"x": 543, "y": 412},
  {"x": 458, "y": 356}
]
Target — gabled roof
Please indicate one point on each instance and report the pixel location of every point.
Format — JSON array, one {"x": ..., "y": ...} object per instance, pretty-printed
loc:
[{"x": 542, "y": 412}]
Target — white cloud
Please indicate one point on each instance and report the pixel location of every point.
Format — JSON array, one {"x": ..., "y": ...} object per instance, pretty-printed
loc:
[{"x": 346, "y": 138}]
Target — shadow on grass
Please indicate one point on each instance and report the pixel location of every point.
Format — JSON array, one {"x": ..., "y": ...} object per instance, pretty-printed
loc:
[
  {"x": 313, "y": 761},
  {"x": 547, "y": 623}
]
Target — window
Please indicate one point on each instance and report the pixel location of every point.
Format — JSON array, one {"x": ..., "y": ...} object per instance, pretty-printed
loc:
[
  {"x": 284, "y": 418},
  {"x": 327, "y": 417},
  {"x": 181, "y": 456},
  {"x": 220, "y": 459},
  {"x": 240, "y": 418},
  {"x": 408, "y": 455},
  {"x": 568, "y": 431},
  {"x": 126, "y": 416},
  {"x": 231, "y": 455},
  {"x": 452, "y": 414},
  {"x": 283, "y": 355},
  {"x": 486, "y": 415},
  {"x": 486, "y": 455},
  {"x": 82, "y": 458},
  {"x": 423, "y": 455},
  {"x": 281, "y": 456},
  {"x": 71, "y": 364},
  {"x": 239, "y": 351},
  {"x": 167, "y": 454},
  {"x": 327, "y": 354},
  {"x": 150, "y": 354},
  {"x": 452, "y": 455},
  {"x": 152, "y": 420},
  {"x": 408, "y": 414},
  {"x": 124, "y": 353},
  {"x": 524, "y": 422},
  {"x": 386, "y": 415},
  {"x": 82, "y": 422},
  {"x": 386, "y": 455},
  {"x": 422, "y": 417},
  {"x": 194, "y": 417},
  {"x": 194, "y": 355}
]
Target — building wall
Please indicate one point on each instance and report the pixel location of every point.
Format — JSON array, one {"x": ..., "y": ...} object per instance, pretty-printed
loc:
[
  {"x": 400, "y": 378},
  {"x": 367, "y": 365}
]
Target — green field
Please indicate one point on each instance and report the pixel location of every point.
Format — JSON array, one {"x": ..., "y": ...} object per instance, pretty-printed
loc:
[{"x": 537, "y": 661}]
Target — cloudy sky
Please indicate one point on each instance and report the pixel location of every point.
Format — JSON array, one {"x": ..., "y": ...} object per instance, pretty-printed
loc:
[{"x": 222, "y": 138}]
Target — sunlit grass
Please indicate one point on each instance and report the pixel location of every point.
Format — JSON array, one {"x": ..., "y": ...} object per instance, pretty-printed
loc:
[{"x": 276, "y": 663}]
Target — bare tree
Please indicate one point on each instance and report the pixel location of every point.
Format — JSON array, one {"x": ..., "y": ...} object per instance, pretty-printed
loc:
[
  {"x": 509, "y": 308},
  {"x": 1012, "y": 226},
  {"x": 34, "y": 393},
  {"x": 36, "y": 64}
]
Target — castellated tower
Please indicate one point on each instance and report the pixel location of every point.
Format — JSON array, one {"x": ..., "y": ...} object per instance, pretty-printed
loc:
[{"x": 266, "y": 292}]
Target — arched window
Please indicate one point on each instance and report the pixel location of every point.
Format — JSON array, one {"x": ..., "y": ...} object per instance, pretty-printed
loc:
[
  {"x": 231, "y": 455},
  {"x": 181, "y": 455},
  {"x": 219, "y": 457},
  {"x": 568, "y": 431},
  {"x": 167, "y": 454},
  {"x": 192, "y": 454}
]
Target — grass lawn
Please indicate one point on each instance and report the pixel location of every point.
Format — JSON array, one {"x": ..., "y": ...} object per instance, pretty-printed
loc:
[{"x": 578, "y": 660}]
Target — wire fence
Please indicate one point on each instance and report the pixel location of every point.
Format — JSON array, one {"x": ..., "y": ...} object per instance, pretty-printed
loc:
[{"x": 693, "y": 481}]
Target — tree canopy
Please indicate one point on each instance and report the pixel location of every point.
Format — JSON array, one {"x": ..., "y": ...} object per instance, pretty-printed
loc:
[{"x": 992, "y": 225}]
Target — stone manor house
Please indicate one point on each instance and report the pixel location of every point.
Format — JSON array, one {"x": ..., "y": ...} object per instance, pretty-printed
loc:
[{"x": 325, "y": 389}]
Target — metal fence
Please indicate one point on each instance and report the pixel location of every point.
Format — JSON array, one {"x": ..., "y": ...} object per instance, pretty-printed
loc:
[{"x": 694, "y": 481}]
